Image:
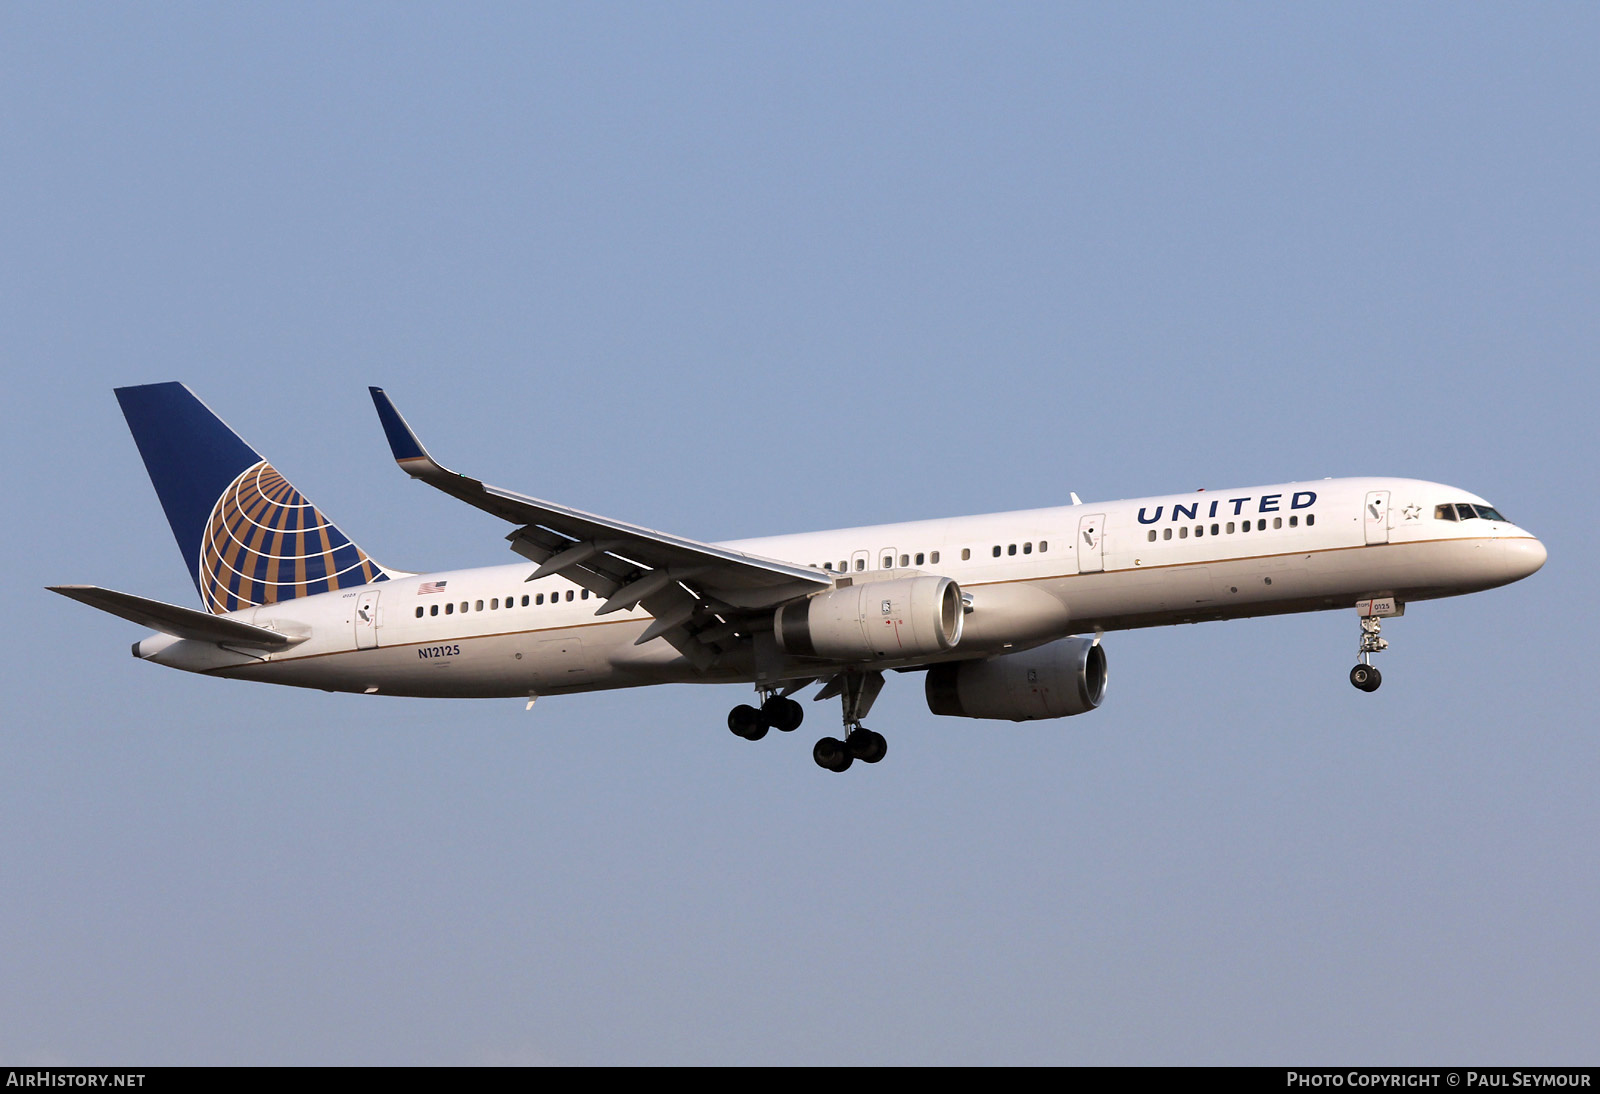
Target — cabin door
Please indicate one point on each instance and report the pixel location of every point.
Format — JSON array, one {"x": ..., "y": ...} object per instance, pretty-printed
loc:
[
  {"x": 367, "y": 621},
  {"x": 1375, "y": 516},
  {"x": 1091, "y": 538}
]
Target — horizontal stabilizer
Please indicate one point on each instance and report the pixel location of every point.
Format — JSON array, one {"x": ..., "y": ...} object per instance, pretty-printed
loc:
[{"x": 176, "y": 621}]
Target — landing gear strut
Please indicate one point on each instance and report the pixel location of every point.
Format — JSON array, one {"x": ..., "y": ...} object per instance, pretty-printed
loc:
[
  {"x": 858, "y": 690},
  {"x": 1366, "y": 675}
]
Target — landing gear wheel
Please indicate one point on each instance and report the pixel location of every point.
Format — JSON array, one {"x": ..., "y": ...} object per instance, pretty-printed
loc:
[
  {"x": 1366, "y": 677},
  {"x": 783, "y": 714},
  {"x": 832, "y": 754},
  {"x": 867, "y": 746},
  {"x": 747, "y": 722}
]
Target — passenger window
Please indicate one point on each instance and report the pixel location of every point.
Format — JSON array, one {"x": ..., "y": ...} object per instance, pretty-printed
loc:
[
  {"x": 1012, "y": 549},
  {"x": 1230, "y": 527},
  {"x": 478, "y": 607},
  {"x": 919, "y": 558},
  {"x": 1183, "y": 533},
  {"x": 1044, "y": 545},
  {"x": 493, "y": 604},
  {"x": 1294, "y": 522},
  {"x": 585, "y": 595},
  {"x": 934, "y": 558},
  {"x": 888, "y": 562},
  {"x": 1199, "y": 530},
  {"x": 569, "y": 594},
  {"x": 1277, "y": 522},
  {"x": 1245, "y": 527},
  {"x": 524, "y": 600},
  {"x": 1213, "y": 529},
  {"x": 1027, "y": 548},
  {"x": 1311, "y": 518},
  {"x": 1152, "y": 535},
  {"x": 996, "y": 550},
  {"x": 433, "y": 609},
  {"x": 844, "y": 567},
  {"x": 905, "y": 560},
  {"x": 419, "y": 611},
  {"x": 1261, "y": 525},
  {"x": 861, "y": 564},
  {"x": 966, "y": 554},
  {"x": 1166, "y": 533},
  {"x": 539, "y": 599},
  {"x": 449, "y": 609}
]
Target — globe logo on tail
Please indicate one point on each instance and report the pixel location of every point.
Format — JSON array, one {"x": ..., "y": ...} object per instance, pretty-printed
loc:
[{"x": 264, "y": 542}]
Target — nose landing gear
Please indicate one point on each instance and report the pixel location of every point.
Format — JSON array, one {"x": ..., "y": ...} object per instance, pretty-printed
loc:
[{"x": 1366, "y": 675}]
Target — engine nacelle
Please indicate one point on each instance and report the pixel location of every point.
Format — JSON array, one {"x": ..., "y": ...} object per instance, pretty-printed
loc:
[
  {"x": 1050, "y": 681},
  {"x": 900, "y": 619}
]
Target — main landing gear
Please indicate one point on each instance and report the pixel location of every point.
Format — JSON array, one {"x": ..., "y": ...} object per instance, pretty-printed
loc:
[
  {"x": 1366, "y": 675},
  {"x": 858, "y": 690},
  {"x": 777, "y": 712}
]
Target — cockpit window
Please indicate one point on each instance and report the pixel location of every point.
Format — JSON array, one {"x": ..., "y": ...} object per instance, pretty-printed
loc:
[{"x": 1464, "y": 511}]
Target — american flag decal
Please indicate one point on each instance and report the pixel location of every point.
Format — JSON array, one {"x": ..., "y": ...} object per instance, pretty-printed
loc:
[{"x": 431, "y": 587}]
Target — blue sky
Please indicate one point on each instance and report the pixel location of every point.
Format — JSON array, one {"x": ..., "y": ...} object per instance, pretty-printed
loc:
[{"x": 731, "y": 270}]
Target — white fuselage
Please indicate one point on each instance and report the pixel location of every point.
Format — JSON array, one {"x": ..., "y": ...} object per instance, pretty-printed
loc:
[{"x": 1030, "y": 577}]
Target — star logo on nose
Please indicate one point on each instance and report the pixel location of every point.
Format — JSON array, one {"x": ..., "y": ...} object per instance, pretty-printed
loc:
[{"x": 1412, "y": 512}]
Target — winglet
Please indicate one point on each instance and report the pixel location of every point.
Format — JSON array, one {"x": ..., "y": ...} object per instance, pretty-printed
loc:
[{"x": 408, "y": 451}]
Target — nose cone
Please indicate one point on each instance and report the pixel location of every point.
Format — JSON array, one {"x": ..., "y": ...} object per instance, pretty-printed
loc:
[{"x": 1523, "y": 557}]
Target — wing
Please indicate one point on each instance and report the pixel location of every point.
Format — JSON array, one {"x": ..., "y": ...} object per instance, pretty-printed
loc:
[
  {"x": 176, "y": 621},
  {"x": 702, "y": 595}
]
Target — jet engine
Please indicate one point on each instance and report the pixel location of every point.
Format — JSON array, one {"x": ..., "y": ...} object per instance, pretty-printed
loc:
[
  {"x": 1055, "y": 680},
  {"x": 899, "y": 619}
]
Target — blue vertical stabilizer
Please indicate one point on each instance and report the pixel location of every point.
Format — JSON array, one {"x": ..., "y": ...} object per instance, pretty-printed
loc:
[{"x": 247, "y": 535}]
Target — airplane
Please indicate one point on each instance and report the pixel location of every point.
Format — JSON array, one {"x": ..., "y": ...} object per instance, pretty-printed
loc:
[{"x": 1003, "y": 613}]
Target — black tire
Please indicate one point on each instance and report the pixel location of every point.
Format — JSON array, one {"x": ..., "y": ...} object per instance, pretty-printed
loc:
[
  {"x": 783, "y": 714},
  {"x": 746, "y": 721},
  {"x": 831, "y": 754},
  {"x": 871, "y": 748},
  {"x": 1366, "y": 677}
]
